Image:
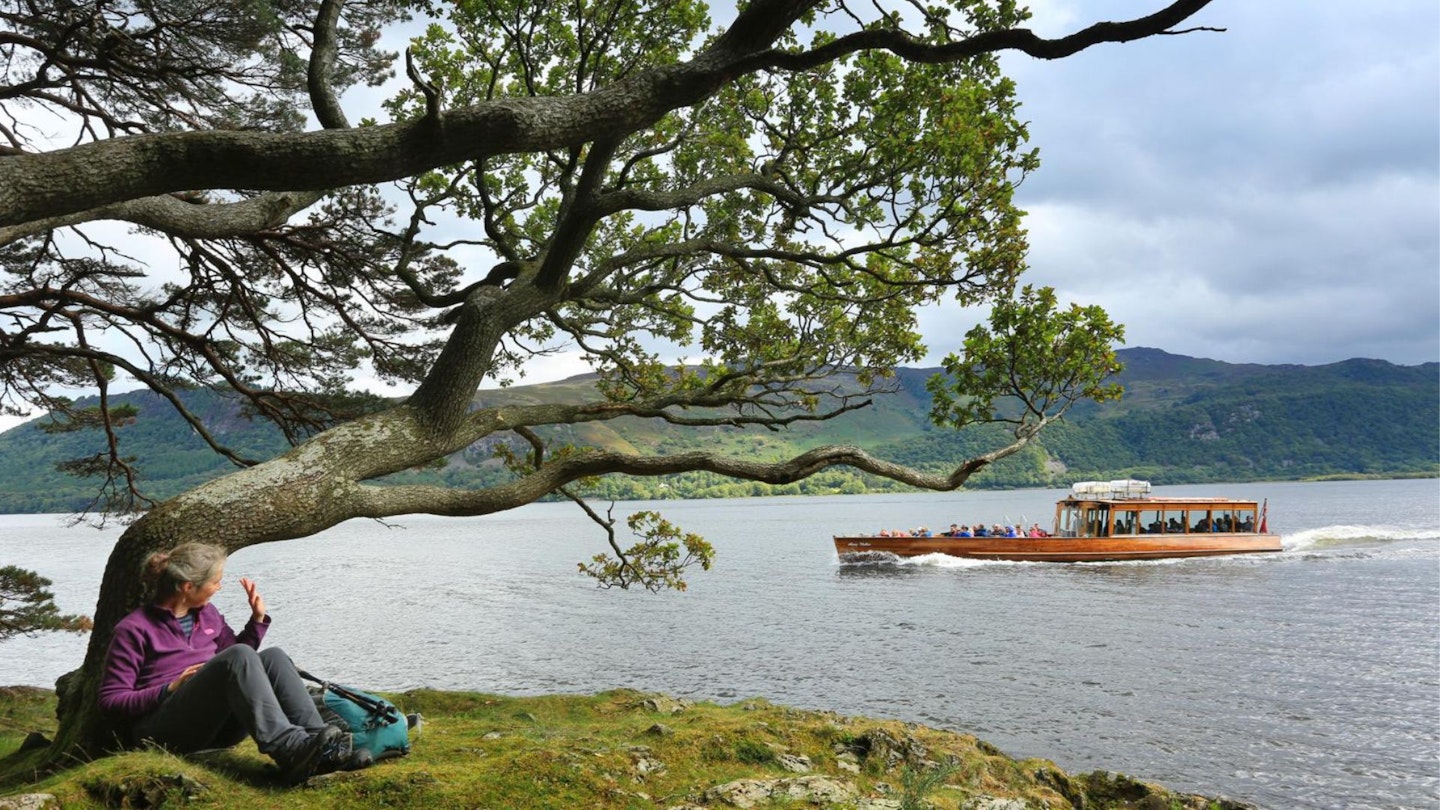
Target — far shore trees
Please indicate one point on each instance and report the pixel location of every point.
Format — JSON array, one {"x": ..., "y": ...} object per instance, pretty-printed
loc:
[{"x": 771, "y": 199}]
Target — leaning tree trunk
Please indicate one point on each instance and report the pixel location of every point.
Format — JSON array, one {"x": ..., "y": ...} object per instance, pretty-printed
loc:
[
  {"x": 244, "y": 516},
  {"x": 307, "y": 490},
  {"x": 85, "y": 731}
]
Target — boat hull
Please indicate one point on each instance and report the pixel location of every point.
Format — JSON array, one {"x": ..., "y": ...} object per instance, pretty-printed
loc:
[{"x": 1062, "y": 549}]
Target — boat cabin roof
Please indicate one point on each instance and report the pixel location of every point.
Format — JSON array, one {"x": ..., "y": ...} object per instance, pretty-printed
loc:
[
  {"x": 1133, "y": 493},
  {"x": 1156, "y": 500}
]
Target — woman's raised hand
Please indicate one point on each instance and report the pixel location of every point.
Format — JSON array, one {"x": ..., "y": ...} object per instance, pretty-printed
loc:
[{"x": 257, "y": 602}]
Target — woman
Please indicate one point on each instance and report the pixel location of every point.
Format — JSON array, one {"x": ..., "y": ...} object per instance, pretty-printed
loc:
[{"x": 186, "y": 681}]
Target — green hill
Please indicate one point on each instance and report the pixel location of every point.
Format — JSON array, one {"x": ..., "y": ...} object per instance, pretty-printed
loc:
[{"x": 1182, "y": 419}]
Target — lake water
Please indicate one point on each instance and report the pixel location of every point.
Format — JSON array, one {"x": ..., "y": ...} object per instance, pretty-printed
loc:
[{"x": 1308, "y": 678}]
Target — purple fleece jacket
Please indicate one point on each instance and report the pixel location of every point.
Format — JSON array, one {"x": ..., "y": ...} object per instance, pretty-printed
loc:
[{"x": 148, "y": 651}]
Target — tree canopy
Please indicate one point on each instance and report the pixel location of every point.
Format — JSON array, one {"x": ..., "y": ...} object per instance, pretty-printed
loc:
[{"x": 770, "y": 194}]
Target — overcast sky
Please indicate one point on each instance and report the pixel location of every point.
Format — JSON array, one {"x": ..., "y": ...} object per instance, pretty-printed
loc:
[{"x": 1269, "y": 194}]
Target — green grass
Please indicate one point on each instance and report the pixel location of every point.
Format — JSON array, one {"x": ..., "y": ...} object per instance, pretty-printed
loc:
[{"x": 620, "y": 749}]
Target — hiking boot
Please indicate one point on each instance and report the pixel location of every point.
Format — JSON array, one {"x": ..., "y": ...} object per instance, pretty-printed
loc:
[
  {"x": 301, "y": 765},
  {"x": 342, "y": 755}
]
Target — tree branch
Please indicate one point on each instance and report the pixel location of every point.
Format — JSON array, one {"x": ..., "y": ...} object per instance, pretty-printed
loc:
[
  {"x": 1024, "y": 40},
  {"x": 93, "y": 175},
  {"x": 378, "y": 502},
  {"x": 185, "y": 218}
]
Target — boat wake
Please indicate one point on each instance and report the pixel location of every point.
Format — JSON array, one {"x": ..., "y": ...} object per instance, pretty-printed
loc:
[
  {"x": 925, "y": 560},
  {"x": 1351, "y": 536},
  {"x": 946, "y": 561}
]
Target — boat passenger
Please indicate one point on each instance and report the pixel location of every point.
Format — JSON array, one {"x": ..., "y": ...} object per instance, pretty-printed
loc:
[
  {"x": 964, "y": 531},
  {"x": 981, "y": 531},
  {"x": 1010, "y": 531}
]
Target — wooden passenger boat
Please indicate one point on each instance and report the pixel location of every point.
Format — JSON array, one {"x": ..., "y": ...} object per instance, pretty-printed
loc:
[{"x": 1101, "y": 521}]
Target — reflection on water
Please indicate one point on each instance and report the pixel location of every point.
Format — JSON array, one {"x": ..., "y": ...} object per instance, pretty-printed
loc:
[{"x": 1300, "y": 679}]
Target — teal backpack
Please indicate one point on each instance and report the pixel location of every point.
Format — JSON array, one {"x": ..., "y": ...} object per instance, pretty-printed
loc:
[{"x": 375, "y": 724}]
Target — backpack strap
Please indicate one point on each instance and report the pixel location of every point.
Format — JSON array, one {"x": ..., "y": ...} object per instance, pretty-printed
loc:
[{"x": 386, "y": 711}]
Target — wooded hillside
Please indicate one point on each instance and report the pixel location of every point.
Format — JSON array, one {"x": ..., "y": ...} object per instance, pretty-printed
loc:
[{"x": 1182, "y": 420}]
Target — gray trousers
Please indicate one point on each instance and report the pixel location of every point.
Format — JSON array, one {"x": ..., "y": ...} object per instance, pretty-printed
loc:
[{"x": 237, "y": 693}]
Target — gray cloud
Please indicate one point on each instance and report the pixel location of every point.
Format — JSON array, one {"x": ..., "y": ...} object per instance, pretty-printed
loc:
[{"x": 1267, "y": 194}]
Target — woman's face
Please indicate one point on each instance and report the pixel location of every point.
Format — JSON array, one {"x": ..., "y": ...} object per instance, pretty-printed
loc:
[{"x": 199, "y": 596}]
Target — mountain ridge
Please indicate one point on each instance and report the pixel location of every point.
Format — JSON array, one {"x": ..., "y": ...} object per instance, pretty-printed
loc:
[{"x": 1182, "y": 420}]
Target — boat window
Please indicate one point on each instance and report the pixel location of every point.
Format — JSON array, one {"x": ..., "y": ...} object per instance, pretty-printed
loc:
[
  {"x": 1174, "y": 521},
  {"x": 1126, "y": 521},
  {"x": 1069, "y": 521},
  {"x": 1151, "y": 522},
  {"x": 1245, "y": 519},
  {"x": 1200, "y": 520},
  {"x": 1224, "y": 520},
  {"x": 1097, "y": 521}
]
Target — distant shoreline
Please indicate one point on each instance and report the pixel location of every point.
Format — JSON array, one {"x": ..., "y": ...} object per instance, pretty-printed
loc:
[{"x": 667, "y": 495}]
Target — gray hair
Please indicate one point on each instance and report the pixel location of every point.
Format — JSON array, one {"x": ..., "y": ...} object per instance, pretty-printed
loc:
[{"x": 195, "y": 563}]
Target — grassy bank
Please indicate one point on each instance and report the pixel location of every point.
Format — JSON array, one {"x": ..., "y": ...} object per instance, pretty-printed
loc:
[{"x": 619, "y": 749}]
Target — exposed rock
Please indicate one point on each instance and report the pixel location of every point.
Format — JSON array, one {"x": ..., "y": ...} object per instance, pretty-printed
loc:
[
  {"x": 1106, "y": 789},
  {"x": 664, "y": 704},
  {"x": 740, "y": 793},
  {"x": 659, "y": 730},
  {"x": 795, "y": 763},
  {"x": 882, "y": 746},
  {"x": 30, "y": 801},
  {"x": 992, "y": 803},
  {"x": 644, "y": 766},
  {"x": 745, "y": 793}
]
